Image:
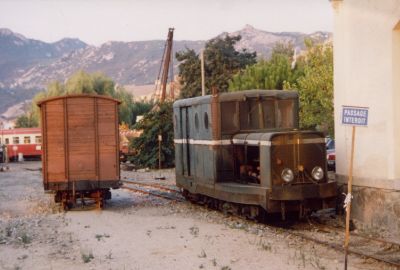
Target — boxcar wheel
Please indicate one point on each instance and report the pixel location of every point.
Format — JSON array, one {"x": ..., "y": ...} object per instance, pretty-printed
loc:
[{"x": 66, "y": 206}]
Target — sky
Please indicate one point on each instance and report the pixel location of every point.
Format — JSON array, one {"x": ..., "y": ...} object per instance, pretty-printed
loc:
[{"x": 99, "y": 21}]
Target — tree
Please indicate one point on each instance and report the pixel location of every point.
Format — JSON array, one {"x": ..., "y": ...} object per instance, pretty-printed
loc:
[
  {"x": 140, "y": 108},
  {"x": 189, "y": 72},
  {"x": 85, "y": 83},
  {"x": 316, "y": 88},
  {"x": 154, "y": 123},
  {"x": 26, "y": 121},
  {"x": 268, "y": 74},
  {"x": 221, "y": 61},
  {"x": 311, "y": 76}
]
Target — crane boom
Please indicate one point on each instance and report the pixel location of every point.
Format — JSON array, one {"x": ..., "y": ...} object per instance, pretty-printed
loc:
[{"x": 166, "y": 63}]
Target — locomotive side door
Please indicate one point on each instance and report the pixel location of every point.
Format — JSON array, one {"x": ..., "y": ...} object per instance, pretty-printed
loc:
[{"x": 185, "y": 131}]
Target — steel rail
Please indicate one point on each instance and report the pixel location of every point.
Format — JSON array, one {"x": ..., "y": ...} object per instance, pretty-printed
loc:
[
  {"x": 384, "y": 241},
  {"x": 160, "y": 195},
  {"x": 150, "y": 185},
  {"x": 340, "y": 248}
]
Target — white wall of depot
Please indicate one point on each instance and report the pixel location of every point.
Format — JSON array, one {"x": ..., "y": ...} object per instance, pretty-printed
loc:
[{"x": 367, "y": 73}]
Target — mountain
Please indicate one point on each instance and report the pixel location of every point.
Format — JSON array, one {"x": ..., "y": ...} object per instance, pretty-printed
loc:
[
  {"x": 18, "y": 54},
  {"x": 27, "y": 65},
  {"x": 125, "y": 62},
  {"x": 262, "y": 41}
]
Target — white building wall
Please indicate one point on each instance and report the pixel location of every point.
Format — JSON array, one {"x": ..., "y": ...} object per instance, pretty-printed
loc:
[{"x": 366, "y": 73}]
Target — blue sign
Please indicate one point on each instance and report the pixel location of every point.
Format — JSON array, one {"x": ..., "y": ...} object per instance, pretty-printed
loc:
[{"x": 355, "y": 116}]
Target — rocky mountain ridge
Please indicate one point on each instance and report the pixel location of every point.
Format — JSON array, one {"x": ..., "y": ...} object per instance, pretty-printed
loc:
[
  {"x": 28, "y": 65},
  {"x": 18, "y": 54}
]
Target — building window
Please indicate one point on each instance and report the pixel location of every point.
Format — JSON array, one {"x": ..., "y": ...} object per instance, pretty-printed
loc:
[
  {"x": 7, "y": 141},
  {"x": 27, "y": 140},
  {"x": 38, "y": 139},
  {"x": 15, "y": 140}
]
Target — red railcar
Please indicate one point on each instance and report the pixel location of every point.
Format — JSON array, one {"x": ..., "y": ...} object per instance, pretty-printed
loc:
[{"x": 22, "y": 141}]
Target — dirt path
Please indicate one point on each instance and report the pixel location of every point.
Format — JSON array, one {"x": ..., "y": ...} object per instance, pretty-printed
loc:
[{"x": 136, "y": 231}]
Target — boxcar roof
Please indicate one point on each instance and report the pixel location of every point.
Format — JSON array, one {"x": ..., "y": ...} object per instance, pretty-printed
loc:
[
  {"x": 40, "y": 102},
  {"x": 239, "y": 95}
]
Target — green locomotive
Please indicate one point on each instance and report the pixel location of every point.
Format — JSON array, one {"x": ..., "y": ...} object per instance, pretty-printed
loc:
[{"x": 244, "y": 151}]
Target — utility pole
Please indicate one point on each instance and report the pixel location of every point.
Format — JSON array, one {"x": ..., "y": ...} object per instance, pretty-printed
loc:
[{"x": 203, "y": 88}]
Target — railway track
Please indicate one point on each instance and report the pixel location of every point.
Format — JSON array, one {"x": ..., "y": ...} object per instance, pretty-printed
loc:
[
  {"x": 380, "y": 250},
  {"x": 155, "y": 190},
  {"x": 380, "y": 255}
]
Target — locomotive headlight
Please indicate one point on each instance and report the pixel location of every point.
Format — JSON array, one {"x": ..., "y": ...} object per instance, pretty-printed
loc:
[
  {"x": 287, "y": 175},
  {"x": 317, "y": 173}
]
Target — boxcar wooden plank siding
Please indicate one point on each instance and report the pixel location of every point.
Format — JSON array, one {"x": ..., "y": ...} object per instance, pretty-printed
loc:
[
  {"x": 81, "y": 142},
  {"x": 107, "y": 147},
  {"x": 56, "y": 152}
]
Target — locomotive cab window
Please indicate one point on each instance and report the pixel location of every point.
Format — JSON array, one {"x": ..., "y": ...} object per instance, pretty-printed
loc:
[
  {"x": 285, "y": 116},
  {"x": 257, "y": 114},
  {"x": 268, "y": 110},
  {"x": 230, "y": 117},
  {"x": 249, "y": 115}
]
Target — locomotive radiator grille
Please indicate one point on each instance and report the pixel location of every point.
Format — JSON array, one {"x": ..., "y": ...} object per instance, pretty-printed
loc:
[{"x": 299, "y": 152}]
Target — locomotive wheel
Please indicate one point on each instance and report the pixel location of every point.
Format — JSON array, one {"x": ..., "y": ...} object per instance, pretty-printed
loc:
[{"x": 252, "y": 212}]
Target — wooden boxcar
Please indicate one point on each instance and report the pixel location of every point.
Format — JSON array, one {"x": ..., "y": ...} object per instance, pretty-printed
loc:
[
  {"x": 80, "y": 142},
  {"x": 244, "y": 148}
]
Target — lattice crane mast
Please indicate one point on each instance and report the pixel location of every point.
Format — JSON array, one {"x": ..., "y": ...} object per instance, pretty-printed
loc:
[{"x": 165, "y": 67}]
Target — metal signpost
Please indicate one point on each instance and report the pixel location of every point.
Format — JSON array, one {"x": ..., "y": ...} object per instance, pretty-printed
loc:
[
  {"x": 159, "y": 158},
  {"x": 353, "y": 116}
]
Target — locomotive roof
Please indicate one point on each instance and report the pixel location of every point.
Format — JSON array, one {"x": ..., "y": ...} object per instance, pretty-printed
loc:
[
  {"x": 40, "y": 102},
  {"x": 239, "y": 95}
]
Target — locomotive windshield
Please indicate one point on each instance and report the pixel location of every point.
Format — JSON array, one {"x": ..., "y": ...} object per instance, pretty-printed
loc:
[{"x": 255, "y": 114}]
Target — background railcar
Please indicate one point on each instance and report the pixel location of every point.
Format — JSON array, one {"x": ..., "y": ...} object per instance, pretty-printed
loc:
[
  {"x": 245, "y": 148},
  {"x": 23, "y": 142},
  {"x": 80, "y": 147}
]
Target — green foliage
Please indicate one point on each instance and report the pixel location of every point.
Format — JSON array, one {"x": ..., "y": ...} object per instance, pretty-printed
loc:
[
  {"x": 26, "y": 121},
  {"x": 80, "y": 83},
  {"x": 140, "y": 108},
  {"x": 85, "y": 83},
  {"x": 190, "y": 73},
  {"x": 312, "y": 76},
  {"x": 86, "y": 258},
  {"x": 268, "y": 74},
  {"x": 221, "y": 61},
  {"x": 316, "y": 88},
  {"x": 154, "y": 123}
]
